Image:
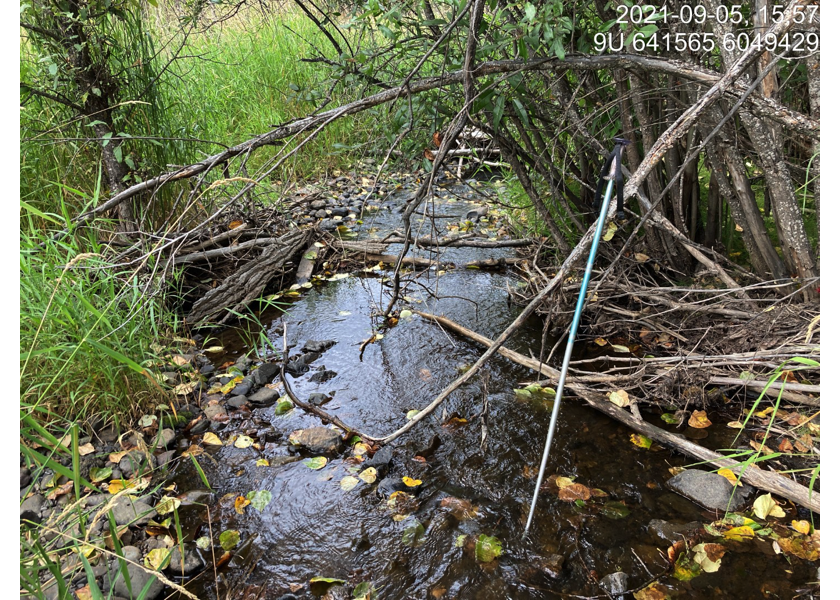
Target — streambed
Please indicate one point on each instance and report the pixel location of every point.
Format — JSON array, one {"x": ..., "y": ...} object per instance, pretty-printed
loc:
[{"x": 312, "y": 527}]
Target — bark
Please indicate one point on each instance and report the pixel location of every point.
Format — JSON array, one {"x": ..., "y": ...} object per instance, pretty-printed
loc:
[
  {"x": 813, "y": 64},
  {"x": 249, "y": 281}
]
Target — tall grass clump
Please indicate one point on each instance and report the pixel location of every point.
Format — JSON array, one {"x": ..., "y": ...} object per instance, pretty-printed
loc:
[{"x": 86, "y": 324}]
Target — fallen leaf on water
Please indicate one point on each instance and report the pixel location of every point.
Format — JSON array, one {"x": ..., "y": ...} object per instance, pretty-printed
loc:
[
  {"x": 193, "y": 450},
  {"x": 229, "y": 539},
  {"x": 348, "y": 483},
  {"x": 735, "y": 425},
  {"x": 601, "y": 341},
  {"x": 215, "y": 349},
  {"x": 316, "y": 462},
  {"x": 409, "y": 482},
  {"x": 641, "y": 441},
  {"x": 262, "y": 462},
  {"x": 157, "y": 559},
  {"x": 283, "y": 406},
  {"x": 438, "y": 592},
  {"x": 575, "y": 491},
  {"x": 620, "y": 348},
  {"x": 203, "y": 543},
  {"x": 806, "y": 548},
  {"x": 244, "y": 441},
  {"x": 240, "y": 503},
  {"x": 803, "y": 527},
  {"x": 765, "y": 506},
  {"x": 361, "y": 449},
  {"x": 463, "y": 510},
  {"x": 730, "y": 476},
  {"x": 669, "y": 418},
  {"x": 413, "y": 533},
  {"x": 368, "y": 475},
  {"x": 411, "y": 414},
  {"x": 699, "y": 420},
  {"x": 405, "y": 314},
  {"x": 686, "y": 569},
  {"x": 562, "y": 482},
  {"x": 615, "y": 510},
  {"x": 487, "y": 548},
  {"x": 709, "y": 556},
  {"x": 740, "y": 534},
  {"x": 620, "y": 398},
  {"x": 259, "y": 499},
  {"x": 211, "y": 439}
]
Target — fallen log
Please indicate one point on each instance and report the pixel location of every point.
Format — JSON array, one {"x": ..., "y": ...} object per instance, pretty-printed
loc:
[
  {"x": 249, "y": 281},
  {"x": 765, "y": 480},
  {"x": 307, "y": 264}
]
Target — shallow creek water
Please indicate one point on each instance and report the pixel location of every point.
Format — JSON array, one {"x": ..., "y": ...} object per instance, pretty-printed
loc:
[{"x": 313, "y": 528}]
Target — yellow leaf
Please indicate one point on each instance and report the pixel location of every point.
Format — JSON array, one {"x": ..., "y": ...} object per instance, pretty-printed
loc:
[
  {"x": 765, "y": 506},
  {"x": 409, "y": 482},
  {"x": 699, "y": 420},
  {"x": 730, "y": 476},
  {"x": 235, "y": 224},
  {"x": 611, "y": 229},
  {"x": 244, "y": 441},
  {"x": 348, "y": 483},
  {"x": 740, "y": 534},
  {"x": 562, "y": 482},
  {"x": 211, "y": 439},
  {"x": 240, "y": 503},
  {"x": 157, "y": 558},
  {"x": 806, "y": 548},
  {"x": 167, "y": 504},
  {"x": 641, "y": 441},
  {"x": 803, "y": 527},
  {"x": 368, "y": 475},
  {"x": 620, "y": 398},
  {"x": 601, "y": 341},
  {"x": 735, "y": 425},
  {"x": 261, "y": 462}
]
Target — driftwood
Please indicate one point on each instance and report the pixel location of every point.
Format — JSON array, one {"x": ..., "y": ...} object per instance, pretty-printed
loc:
[
  {"x": 765, "y": 480},
  {"x": 307, "y": 265},
  {"x": 249, "y": 281}
]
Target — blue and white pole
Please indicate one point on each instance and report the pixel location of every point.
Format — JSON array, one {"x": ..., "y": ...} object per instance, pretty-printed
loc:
[{"x": 572, "y": 331}]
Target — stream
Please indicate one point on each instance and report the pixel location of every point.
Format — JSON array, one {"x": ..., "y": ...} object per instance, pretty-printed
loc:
[{"x": 312, "y": 527}]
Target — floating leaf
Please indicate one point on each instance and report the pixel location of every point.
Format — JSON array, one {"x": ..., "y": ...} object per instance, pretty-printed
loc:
[
  {"x": 316, "y": 462},
  {"x": 203, "y": 543},
  {"x": 803, "y": 527},
  {"x": 211, "y": 439},
  {"x": 167, "y": 504},
  {"x": 615, "y": 510},
  {"x": 100, "y": 474},
  {"x": 157, "y": 559},
  {"x": 360, "y": 449},
  {"x": 413, "y": 533},
  {"x": 262, "y": 462},
  {"x": 562, "y": 482},
  {"x": 348, "y": 483},
  {"x": 735, "y": 425},
  {"x": 229, "y": 539},
  {"x": 463, "y": 510},
  {"x": 709, "y": 556},
  {"x": 601, "y": 341},
  {"x": 244, "y": 441},
  {"x": 730, "y": 476},
  {"x": 239, "y": 504},
  {"x": 404, "y": 314},
  {"x": 765, "y": 506},
  {"x": 460, "y": 540},
  {"x": 620, "y": 398},
  {"x": 409, "y": 482},
  {"x": 215, "y": 349},
  {"x": 283, "y": 406},
  {"x": 699, "y": 420},
  {"x": 620, "y": 348},
  {"x": 487, "y": 548},
  {"x": 411, "y": 414},
  {"x": 573, "y": 492},
  {"x": 259, "y": 499},
  {"x": 368, "y": 475},
  {"x": 669, "y": 418},
  {"x": 641, "y": 441}
]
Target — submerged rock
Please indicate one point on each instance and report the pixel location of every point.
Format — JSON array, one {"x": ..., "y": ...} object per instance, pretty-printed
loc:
[
  {"x": 671, "y": 531},
  {"x": 709, "y": 490},
  {"x": 317, "y": 346},
  {"x": 264, "y": 396},
  {"x": 318, "y": 440},
  {"x": 322, "y": 375},
  {"x": 317, "y": 398}
]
